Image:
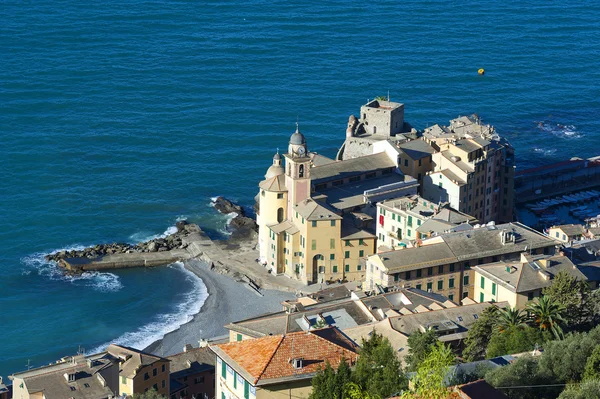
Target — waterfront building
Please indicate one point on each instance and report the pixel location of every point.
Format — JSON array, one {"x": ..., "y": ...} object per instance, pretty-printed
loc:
[
  {"x": 518, "y": 282},
  {"x": 567, "y": 233},
  {"x": 473, "y": 169},
  {"x": 192, "y": 374},
  {"x": 401, "y": 222},
  {"x": 443, "y": 264},
  {"x": 279, "y": 366},
  {"x": 315, "y": 215},
  {"x": 140, "y": 371},
  {"x": 5, "y": 392},
  {"x": 79, "y": 377}
]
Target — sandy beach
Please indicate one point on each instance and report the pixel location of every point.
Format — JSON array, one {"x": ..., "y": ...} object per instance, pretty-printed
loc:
[{"x": 227, "y": 301}]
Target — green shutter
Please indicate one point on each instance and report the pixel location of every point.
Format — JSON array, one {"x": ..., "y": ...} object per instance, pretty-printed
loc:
[
  {"x": 451, "y": 283},
  {"x": 223, "y": 370},
  {"x": 347, "y": 268},
  {"x": 466, "y": 280},
  {"x": 234, "y": 380},
  {"x": 347, "y": 255},
  {"x": 429, "y": 286},
  {"x": 481, "y": 297},
  {"x": 493, "y": 288},
  {"x": 482, "y": 282},
  {"x": 246, "y": 390},
  {"x": 440, "y": 285},
  {"x": 335, "y": 269},
  {"x": 239, "y": 337}
]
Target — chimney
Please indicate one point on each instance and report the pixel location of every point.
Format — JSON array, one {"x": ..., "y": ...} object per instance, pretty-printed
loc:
[
  {"x": 203, "y": 343},
  {"x": 187, "y": 347}
]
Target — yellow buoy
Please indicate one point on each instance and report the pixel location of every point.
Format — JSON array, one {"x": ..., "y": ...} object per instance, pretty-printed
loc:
[{"x": 481, "y": 71}]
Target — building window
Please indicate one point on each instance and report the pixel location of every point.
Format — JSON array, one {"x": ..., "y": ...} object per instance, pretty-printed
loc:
[
  {"x": 393, "y": 216},
  {"x": 429, "y": 286},
  {"x": 313, "y": 244},
  {"x": 466, "y": 280},
  {"x": 347, "y": 254},
  {"x": 407, "y": 275},
  {"x": 410, "y": 221},
  {"x": 331, "y": 256},
  {"x": 482, "y": 282},
  {"x": 481, "y": 297},
  {"x": 154, "y": 372},
  {"x": 440, "y": 285},
  {"x": 239, "y": 337},
  {"x": 419, "y": 272},
  {"x": 493, "y": 288},
  {"x": 347, "y": 268},
  {"x": 163, "y": 368},
  {"x": 451, "y": 297},
  {"x": 123, "y": 380},
  {"x": 408, "y": 233},
  {"x": 163, "y": 383},
  {"x": 530, "y": 296},
  {"x": 223, "y": 370},
  {"x": 441, "y": 269},
  {"x": 451, "y": 283},
  {"x": 358, "y": 267},
  {"x": 451, "y": 267},
  {"x": 361, "y": 253},
  {"x": 430, "y": 271},
  {"x": 399, "y": 233},
  {"x": 146, "y": 376},
  {"x": 347, "y": 243},
  {"x": 314, "y": 223},
  {"x": 333, "y": 223},
  {"x": 467, "y": 266},
  {"x": 321, "y": 269},
  {"x": 301, "y": 171},
  {"x": 418, "y": 286},
  {"x": 199, "y": 380},
  {"x": 406, "y": 162}
]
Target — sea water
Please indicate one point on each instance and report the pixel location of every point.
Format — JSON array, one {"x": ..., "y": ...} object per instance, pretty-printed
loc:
[{"x": 119, "y": 118}]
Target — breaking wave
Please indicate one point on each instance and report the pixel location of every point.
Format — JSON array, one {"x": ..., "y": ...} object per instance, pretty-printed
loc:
[
  {"x": 559, "y": 130},
  {"x": 165, "y": 323},
  {"x": 99, "y": 281}
]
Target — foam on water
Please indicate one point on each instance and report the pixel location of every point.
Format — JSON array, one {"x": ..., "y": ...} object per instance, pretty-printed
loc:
[
  {"x": 144, "y": 236},
  {"x": 559, "y": 129},
  {"x": 545, "y": 151},
  {"x": 165, "y": 323},
  {"x": 99, "y": 281}
]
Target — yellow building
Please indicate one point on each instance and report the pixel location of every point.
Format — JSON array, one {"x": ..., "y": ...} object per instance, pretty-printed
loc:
[
  {"x": 567, "y": 233},
  {"x": 140, "y": 371},
  {"x": 443, "y": 264},
  {"x": 315, "y": 214},
  {"x": 278, "y": 366},
  {"x": 521, "y": 281}
]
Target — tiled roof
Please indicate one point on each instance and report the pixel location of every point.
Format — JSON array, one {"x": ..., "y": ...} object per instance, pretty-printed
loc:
[
  {"x": 268, "y": 359},
  {"x": 275, "y": 183},
  {"x": 570, "y": 229},
  {"x": 135, "y": 359}
]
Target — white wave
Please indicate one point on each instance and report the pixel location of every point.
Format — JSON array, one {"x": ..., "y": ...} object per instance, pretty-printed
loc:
[
  {"x": 545, "y": 151},
  {"x": 165, "y": 323},
  {"x": 143, "y": 236},
  {"x": 560, "y": 130},
  {"x": 99, "y": 281}
]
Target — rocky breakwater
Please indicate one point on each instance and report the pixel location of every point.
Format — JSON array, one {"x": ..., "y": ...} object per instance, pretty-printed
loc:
[
  {"x": 155, "y": 252},
  {"x": 242, "y": 227}
]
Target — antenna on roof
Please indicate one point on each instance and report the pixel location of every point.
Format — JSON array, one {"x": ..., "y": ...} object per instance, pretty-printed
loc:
[
  {"x": 28, "y": 364},
  {"x": 388, "y": 94}
]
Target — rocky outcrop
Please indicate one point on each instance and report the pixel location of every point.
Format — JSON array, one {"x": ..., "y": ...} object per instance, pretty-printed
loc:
[
  {"x": 241, "y": 226},
  {"x": 161, "y": 244}
]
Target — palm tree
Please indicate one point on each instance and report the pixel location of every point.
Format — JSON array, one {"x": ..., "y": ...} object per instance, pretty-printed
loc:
[
  {"x": 510, "y": 318},
  {"x": 547, "y": 314}
]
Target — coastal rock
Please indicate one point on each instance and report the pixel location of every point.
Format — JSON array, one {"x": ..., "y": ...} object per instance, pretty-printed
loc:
[{"x": 226, "y": 207}]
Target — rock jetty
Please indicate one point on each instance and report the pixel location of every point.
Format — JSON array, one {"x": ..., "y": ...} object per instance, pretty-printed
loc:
[{"x": 161, "y": 244}]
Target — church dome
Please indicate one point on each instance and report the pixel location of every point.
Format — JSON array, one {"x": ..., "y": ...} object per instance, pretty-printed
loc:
[
  {"x": 297, "y": 138},
  {"x": 274, "y": 170}
]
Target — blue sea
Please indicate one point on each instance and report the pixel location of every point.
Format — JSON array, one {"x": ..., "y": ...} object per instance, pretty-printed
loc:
[{"x": 119, "y": 118}]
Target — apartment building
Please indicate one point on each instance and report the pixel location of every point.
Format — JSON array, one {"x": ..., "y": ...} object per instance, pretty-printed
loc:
[
  {"x": 401, "y": 222},
  {"x": 278, "y": 366},
  {"x": 443, "y": 264},
  {"x": 473, "y": 169}
]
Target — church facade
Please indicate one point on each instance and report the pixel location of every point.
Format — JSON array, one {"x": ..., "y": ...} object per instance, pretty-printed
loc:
[{"x": 315, "y": 215}]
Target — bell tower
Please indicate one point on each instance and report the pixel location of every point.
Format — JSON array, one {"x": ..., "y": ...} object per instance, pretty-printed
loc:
[{"x": 297, "y": 170}]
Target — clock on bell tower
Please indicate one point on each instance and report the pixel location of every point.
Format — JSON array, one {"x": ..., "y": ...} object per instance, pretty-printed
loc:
[{"x": 297, "y": 171}]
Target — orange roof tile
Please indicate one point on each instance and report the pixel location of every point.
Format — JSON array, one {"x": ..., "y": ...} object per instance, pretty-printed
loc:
[{"x": 270, "y": 357}]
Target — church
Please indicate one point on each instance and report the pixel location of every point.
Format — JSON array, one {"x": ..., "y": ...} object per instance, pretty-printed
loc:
[{"x": 316, "y": 215}]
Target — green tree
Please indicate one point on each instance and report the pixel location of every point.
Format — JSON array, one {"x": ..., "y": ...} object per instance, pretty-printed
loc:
[
  {"x": 377, "y": 370},
  {"x": 150, "y": 394},
  {"x": 592, "y": 366},
  {"x": 585, "y": 390},
  {"x": 353, "y": 391},
  {"x": 566, "y": 359},
  {"x": 525, "y": 371},
  {"x": 576, "y": 297},
  {"x": 431, "y": 378},
  {"x": 329, "y": 383},
  {"x": 480, "y": 334},
  {"x": 511, "y": 318},
  {"x": 547, "y": 315},
  {"x": 515, "y": 340},
  {"x": 420, "y": 345}
]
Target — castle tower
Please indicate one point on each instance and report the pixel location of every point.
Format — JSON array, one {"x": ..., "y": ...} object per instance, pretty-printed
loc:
[{"x": 297, "y": 172}]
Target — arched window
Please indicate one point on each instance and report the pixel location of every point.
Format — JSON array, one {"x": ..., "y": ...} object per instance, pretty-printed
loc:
[
  {"x": 301, "y": 171},
  {"x": 374, "y": 129},
  {"x": 279, "y": 215}
]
